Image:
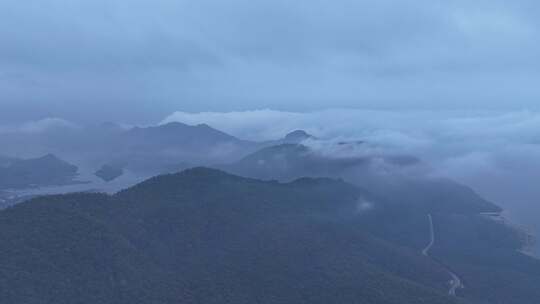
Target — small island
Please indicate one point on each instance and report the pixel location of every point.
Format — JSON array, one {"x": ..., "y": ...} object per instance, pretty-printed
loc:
[{"x": 110, "y": 172}]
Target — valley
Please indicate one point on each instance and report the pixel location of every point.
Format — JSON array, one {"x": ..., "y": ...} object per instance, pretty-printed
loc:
[{"x": 282, "y": 208}]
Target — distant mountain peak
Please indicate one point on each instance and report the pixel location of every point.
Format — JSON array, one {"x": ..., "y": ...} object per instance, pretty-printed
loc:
[
  {"x": 50, "y": 157},
  {"x": 201, "y": 171},
  {"x": 204, "y": 126},
  {"x": 174, "y": 124},
  {"x": 179, "y": 129},
  {"x": 297, "y": 136},
  {"x": 46, "y": 170}
]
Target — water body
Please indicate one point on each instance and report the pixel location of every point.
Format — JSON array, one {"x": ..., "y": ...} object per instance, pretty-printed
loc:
[
  {"x": 521, "y": 211},
  {"x": 85, "y": 182}
]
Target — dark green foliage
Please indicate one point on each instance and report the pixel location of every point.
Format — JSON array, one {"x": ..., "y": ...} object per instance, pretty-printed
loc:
[
  {"x": 290, "y": 161},
  {"x": 203, "y": 236},
  {"x": 485, "y": 253},
  {"x": 110, "y": 172}
]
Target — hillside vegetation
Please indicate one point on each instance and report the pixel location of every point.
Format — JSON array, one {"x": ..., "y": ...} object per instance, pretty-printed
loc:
[{"x": 204, "y": 236}]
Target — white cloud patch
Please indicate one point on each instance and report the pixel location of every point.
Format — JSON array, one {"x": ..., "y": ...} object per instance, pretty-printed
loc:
[
  {"x": 497, "y": 153},
  {"x": 39, "y": 126},
  {"x": 141, "y": 58},
  {"x": 363, "y": 206},
  {"x": 431, "y": 134}
]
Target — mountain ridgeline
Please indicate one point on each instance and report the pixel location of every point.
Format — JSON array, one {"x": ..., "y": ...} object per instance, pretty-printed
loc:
[
  {"x": 145, "y": 150},
  {"x": 271, "y": 222},
  {"x": 287, "y": 162},
  {"x": 43, "y": 171},
  {"x": 204, "y": 236}
]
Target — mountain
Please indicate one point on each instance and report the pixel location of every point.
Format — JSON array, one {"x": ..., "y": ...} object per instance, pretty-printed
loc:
[
  {"x": 484, "y": 251},
  {"x": 6, "y": 161},
  {"x": 374, "y": 172},
  {"x": 297, "y": 136},
  {"x": 338, "y": 224},
  {"x": 176, "y": 133},
  {"x": 43, "y": 171},
  {"x": 110, "y": 172},
  {"x": 291, "y": 161},
  {"x": 204, "y": 236},
  {"x": 144, "y": 150},
  {"x": 158, "y": 149},
  {"x": 154, "y": 150}
]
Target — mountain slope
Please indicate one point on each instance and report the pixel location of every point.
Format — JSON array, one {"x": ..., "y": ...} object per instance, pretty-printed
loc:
[
  {"x": 175, "y": 133},
  {"x": 486, "y": 253},
  {"x": 42, "y": 171},
  {"x": 204, "y": 236},
  {"x": 290, "y": 161},
  {"x": 161, "y": 148}
]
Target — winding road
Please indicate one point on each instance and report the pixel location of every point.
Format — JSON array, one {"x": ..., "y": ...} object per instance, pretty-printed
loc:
[
  {"x": 431, "y": 236},
  {"x": 455, "y": 282}
]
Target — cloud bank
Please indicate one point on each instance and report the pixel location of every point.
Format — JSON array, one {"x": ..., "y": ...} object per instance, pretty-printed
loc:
[
  {"x": 39, "y": 126},
  {"x": 497, "y": 153},
  {"x": 144, "y": 59}
]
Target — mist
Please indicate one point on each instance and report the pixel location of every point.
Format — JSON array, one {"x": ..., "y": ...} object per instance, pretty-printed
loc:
[
  {"x": 299, "y": 151},
  {"x": 496, "y": 153}
]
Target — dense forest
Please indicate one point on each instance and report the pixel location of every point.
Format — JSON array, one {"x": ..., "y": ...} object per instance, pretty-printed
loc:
[{"x": 205, "y": 236}]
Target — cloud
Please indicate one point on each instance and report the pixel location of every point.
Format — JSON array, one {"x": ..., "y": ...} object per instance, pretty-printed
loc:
[
  {"x": 433, "y": 135},
  {"x": 439, "y": 136},
  {"x": 363, "y": 206},
  {"x": 142, "y": 59},
  {"x": 497, "y": 153},
  {"x": 39, "y": 126},
  {"x": 46, "y": 124}
]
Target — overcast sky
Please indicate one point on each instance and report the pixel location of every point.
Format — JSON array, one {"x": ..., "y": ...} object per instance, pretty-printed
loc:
[{"x": 141, "y": 60}]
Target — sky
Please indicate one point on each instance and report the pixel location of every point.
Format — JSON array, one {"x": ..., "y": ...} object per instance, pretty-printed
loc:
[{"x": 138, "y": 61}]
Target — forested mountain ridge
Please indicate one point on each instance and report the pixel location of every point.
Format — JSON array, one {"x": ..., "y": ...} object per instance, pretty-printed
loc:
[
  {"x": 206, "y": 236},
  {"x": 42, "y": 171},
  {"x": 352, "y": 231},
  {"x": 287, "y": 162}
]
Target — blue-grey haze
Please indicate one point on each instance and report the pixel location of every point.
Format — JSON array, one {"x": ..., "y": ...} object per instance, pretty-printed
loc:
[
  {"x": 457, "y": 80},
  {"x": 141, "y": 60}
]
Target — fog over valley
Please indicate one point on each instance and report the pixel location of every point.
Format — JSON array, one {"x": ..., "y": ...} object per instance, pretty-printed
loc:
[
  {"x": 271, "y": 152},
  {"x": 494, "y": 152}
]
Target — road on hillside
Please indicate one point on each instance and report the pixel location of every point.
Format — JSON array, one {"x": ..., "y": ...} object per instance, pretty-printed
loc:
[
  {"x": 455, "y": 282},
  {"x": 431, "y": 236}
]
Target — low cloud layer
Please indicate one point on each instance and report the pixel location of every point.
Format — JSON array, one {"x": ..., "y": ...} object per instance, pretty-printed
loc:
[
  {"x": 497, "y": 153},
  {"x": 471, "y": 141},
  {"x": 454, "y": 132}
]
